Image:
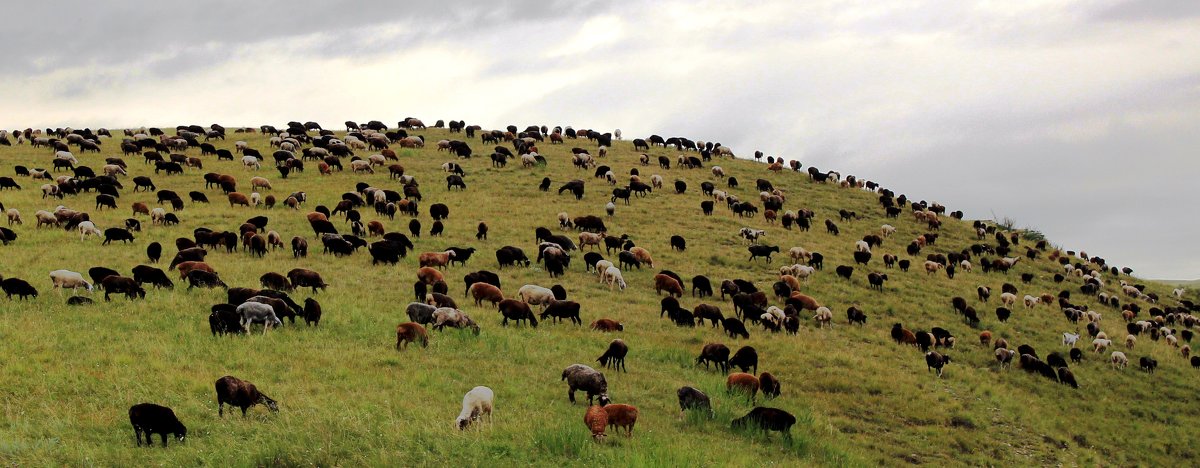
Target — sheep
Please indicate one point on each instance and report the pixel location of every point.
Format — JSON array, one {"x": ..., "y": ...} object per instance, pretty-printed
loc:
[
  {"x": 935, "y": 360},
  {"x": 1148, "y": 364},
  {"x": 1031, "y": 302},
  {"x": 1069, "y": 339},
  {"x": 770, "y": 385},
  {"x": 932, "y": 267},
  {"x": 666, "y": 283},
  {"x": 69, "y": 279},
  {"x": 150, "y": 419},
  {"x": 14, "y": 216},
  {"x": 766, "y": 419},
  {"x": 692, "y": 398},
  {"x": 562, "y": 310},
  {"x": 611, "y": 275},
  {"x": 614, "y": 356},
  {"x": 1100, "y": 345},
  {"x": 536, "y": 295},
  {"x": 743, "y": 383},
  {"x": 581, "y": 377},
  {"x": 1130, "y": 341},
  {"x": 824, "y": 317},
  {"x": 87, "y": 228},
  {"x": 1118, "y": 360},
  {"x": 436, "y": 259},
  {"x": 716, "y": 353},
  {"x": 240, "y": 393},
  {"x": 622, "y": 416},
  {"x": 450, "y": 316},
  {"x": 410, "y": 332},
  {"x": 1008, "y": 299},
  {"x": 252, "y": 312},
  {"x": 476, "y": 403},
  {"x": 642, "y": 256},
  {"x": 607, "y": 325},
  {"x": 486, "y": 292},
  {"x": 516, "y": 311},
  {"x": 596, "y": 419},
  {"x": 1004, "y": 356}
]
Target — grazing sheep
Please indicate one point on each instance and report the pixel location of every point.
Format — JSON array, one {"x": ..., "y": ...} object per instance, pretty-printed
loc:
[
  {"x": 1148, "y": 364},
  {"x": 253, "y": 312},
  {"x": 715, "y": 353},
  {"x": 934, "y": 360},
  {"x": 596, "y": 419},
  {"x": 69, "y": 279},
  {"x": 1118, "y": 360},
  {"x": 516, "y": 311},
  {"x": 614, "y": 356},
  {"x": 581, "y": 377},
  {"x": 1130, "y": 341},
  {"x": 485, "y": 292},
  {"x": 240, "y": 393},
  {"x": 823, "y": 317},
  {"x": 692, "y": 398},
  {"x": 770, "y": 385},
  {"x": 1004, "y": 356},
  {"x": 536, "y": 295},
  {"x": 1099, "y": 345},
  {"x": 612, "y": 276},
  {"x": 622, "y": 416},
  {"x": 607, "y": 325},
  {"x": 150, "y": 419},
  {"x": 666, "y": 283},
  {"x": 410, "y": 332},
  {"x": 449, "y": 316},
  {"x": 766, "y": 419},
  {"x": 562, "y": 310},
  {"x": 476, "y": 403},
  {"x": 743, "y": 383}
]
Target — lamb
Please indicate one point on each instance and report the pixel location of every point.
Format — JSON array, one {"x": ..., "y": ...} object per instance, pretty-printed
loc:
[
  {"x": 87, "y": 228},
  {"x": 1031, "y": 302},
  {"x": 766, "y": 419},
  {"x": 824, "y": 317},
  {"x": 150, "y": 419},
  {"x": 614, "y": 356},
  {"x": 240, "y": 393},
  {"x": 69, "y": 279},
  {"x": 410, "y": 332},
  {"x": 581, "y": 377},
  {"x": 622, "y": 416},
  {"x": 744, "y": 383},
  {"x": 596, "y": 419},
  {"x": 476, "y": 403}
]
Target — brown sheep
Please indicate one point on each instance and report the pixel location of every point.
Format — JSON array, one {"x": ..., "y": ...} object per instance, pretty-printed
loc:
[
  {"x": 596, "y": 419},
  {"x": 743, "y": 382},
  {"x": 643, "y": 256},
  {"x": 241, "y": 394},
  {"x": 260, "y": 182},
  {"x": 436, "y": 259},
  {"x": 666, "y": 283},
  {"x": 316, "y": 216},
  {"x": 771, "y": 388},
  {"x": 805, "y": 301},
  {"x": 187, "y": 267},
  {"x": 1000, "y": 343},
  {"x": 486, "y": 292},
  {"x": 985, "y": 338},
  {"x": 622, "y": 416},
  {"x": 791, "y": 281},
  {"x": 410, "y": 332},
  {"x": 430, "y": 276},
  {"x": 607, "y": 325},
  {"x": 375, "y": 228},
  {"x": 140, "y": 208},
  {"x": 236, "y": 198}
]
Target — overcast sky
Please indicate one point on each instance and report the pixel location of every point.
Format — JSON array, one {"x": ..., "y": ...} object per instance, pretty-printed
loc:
[{"x": 1078, "y": 118}]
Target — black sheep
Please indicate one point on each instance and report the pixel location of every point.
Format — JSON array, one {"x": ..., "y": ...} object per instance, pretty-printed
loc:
[
  {"x": 766, "y": 419},
  {"x": 150, "y": 419},
  {"x": 735, "y": 327},
  {"x": 715, "y": 353},
  {"x": 18, "y": 287},
  {"x": 692, "y": 398},
  {"x": 745, "y": 358},
  {"x": 614, "y": 356},
  {"x": 1066, "y": 377},
  {"x": 678, "y": 243},
  {"x": 1076, "y": 355},
  {"x": 312, "y": 312},
  {"x": 935, "y": 360},
  {"x": 762, "y": 251},
  {"x": 844, "y": 271},
  {"x": 112, "y": 234},
  {"x": 701, "y": 285},
  {"x": 562, "y": 310}
]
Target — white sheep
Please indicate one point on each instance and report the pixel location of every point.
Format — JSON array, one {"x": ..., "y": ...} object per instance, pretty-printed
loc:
[
  {"x": 255, "y": 198},
  {"x": 798, "y": 254},
  {"x": 887, "y": 230},
  {"x": 656, "y": 181},
  {"x": 1118, "y": 360},
  {"x": 776, "y": 314},
  {"x": 1101, "y": 336},
  {"x": 476, "y": 403},
  {"x": 1093, "y": 316},
  {"x": 250, "y": 162},
  {"x": 1069, "y": 339},
  {"x": 823, "y": 317},
  {"x": 87, "y": 228},
  {"x": 14, "y": 216},
  {"x": 69, "y": 279},
  {"x": 965, "y": 265},
  {"x": 1171, "y": 340},
  {"x": 610, "y": 208},
  {"x": 45, "y": 217},
  {"x": 536, "y": 295},
  {"x": 601, "y": 267},
  {"x": 158, "y": 216},
  {"x": 1031, "y": 302},
  {"x": 564, "y": 220},
  {"x": 1008, "y": 299},
  {"x": 612, "y": 275},
  {"x": 1130, "y": 340},
  {"x": 718, "y": 171},
  {"x": 1178, "y": 292},
  {"x": 862, "y": 246},
  {"x": 1100, "y": 344}
]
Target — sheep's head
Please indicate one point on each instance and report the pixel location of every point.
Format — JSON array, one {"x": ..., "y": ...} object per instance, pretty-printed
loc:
[
  {"x": 603, "y": 399},
  {"x": 269, "y": 402}
]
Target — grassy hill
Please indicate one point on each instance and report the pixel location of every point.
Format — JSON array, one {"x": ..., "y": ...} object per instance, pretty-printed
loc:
[{"x": 347, "y": 397}]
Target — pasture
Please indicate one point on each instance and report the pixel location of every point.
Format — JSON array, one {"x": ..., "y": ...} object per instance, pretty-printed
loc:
[{"x": 347, "y": 397}]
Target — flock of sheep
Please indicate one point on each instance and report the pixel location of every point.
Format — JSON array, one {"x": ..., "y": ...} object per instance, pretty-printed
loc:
[{"x": 996, "y": 252}]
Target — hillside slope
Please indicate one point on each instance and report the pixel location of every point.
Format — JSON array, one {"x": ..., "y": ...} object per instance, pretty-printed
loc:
[{"x": 347, "y": 397}]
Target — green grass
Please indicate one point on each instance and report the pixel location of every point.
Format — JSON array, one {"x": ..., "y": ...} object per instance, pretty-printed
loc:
[{"x": 347, "y": 398}]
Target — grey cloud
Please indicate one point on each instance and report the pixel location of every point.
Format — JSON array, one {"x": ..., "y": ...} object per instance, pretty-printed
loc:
[{"x": 1148, "y": 10}]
